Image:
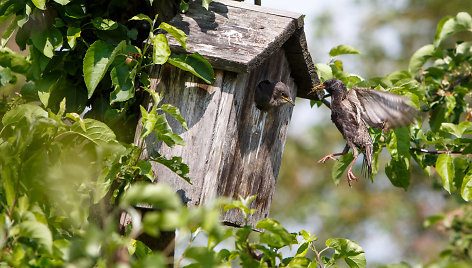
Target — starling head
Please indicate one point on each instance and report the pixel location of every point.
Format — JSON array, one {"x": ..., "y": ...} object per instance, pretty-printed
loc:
[
  {"x": 269, "y": 95},
  {"x": 334, "y": 87}
]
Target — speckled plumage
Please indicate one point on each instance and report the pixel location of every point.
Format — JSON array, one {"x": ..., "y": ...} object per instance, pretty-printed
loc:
[{"x": 353, "y": 110}]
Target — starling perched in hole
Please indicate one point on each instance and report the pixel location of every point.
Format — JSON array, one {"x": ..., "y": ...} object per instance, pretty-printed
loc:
[
  {"x": 269, "y": 95},
  {"x": 353, "y": 110}
]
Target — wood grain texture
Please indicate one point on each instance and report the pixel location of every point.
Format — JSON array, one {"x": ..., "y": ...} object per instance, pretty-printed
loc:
[
  {"x": 232, "y": 148},
  {"x": 238, "y": 37}
]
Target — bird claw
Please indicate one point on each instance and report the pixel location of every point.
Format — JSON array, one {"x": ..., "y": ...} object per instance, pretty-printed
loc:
[
  {"x": 350, "y": 177},
  {"x": 330, "y": 156}
]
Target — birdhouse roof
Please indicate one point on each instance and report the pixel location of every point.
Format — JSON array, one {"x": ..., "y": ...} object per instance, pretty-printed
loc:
[{"x": 238, "y": 37}]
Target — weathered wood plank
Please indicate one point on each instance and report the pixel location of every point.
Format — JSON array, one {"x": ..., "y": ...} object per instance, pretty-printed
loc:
[
  {"x": 232, "y": 148},
  {"x": 232, "y": 38},
  {"x": 252, "y": 157}
]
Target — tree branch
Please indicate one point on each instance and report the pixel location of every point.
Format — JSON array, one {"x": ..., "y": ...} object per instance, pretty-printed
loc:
[
  {"x": 458, "y": 81},
  {"x": 433, "y": 151}
]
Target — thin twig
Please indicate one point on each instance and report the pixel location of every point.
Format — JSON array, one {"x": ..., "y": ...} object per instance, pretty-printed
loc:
[
  {"x": 434, "y": 151},
  {"x": 458, "y": 81},
  {"x": 317, "y": 254}
]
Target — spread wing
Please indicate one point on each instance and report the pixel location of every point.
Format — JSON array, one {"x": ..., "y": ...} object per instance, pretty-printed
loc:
[{"x": 382, "y": 109}]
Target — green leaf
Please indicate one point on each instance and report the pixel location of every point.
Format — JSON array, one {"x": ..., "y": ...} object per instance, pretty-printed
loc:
[
  {"x": 445, "y": 168},
  {"x": 449, "y": 26},
  {"x": 8, "y": 33},
  {"x": 399, "y": 143},
  {"x": 342, "y": 49},
  {"x": 275, "y": 235},
  {"x": 23, "y": 111},
  {"x": 340, "y": 166},
  {"x": 432, "y": 220},
  {"x": 195, "y": 64},
  {"x": 96, "y": 131},
  {"x": 41, "y": 4},
  {"x": 324, "y": 71},
  {"x": 175, "y": 164},
  {"x": 123, "y": 80},
  {"x": 164, "y": 132},
  {"x": 175, "y": 113},
  {"x": 348, "y": 250},
  {"x": 206, "y": 4},
  {"x": 37, "y": 231},
  {"x": 398, "y": 172},
  {"x": 466, "y": 188},
  {"x": 46, "y": 85},
  {"x": 63, "y": 2},
  {"x": 47, "y": 41},
  {"x": 72, "y": 34},
  {"x": 160, "y": 49},
  {"x": 145, "y": 169},
  {"x": 15, "y": 61},
  {"x": 178, "y": 34},
  {"x": 142, "y": 17},
  {"x": 158, "y": 195},
  {"x": 183, "y": 6},
  {"x": 420, "y": 57},
  {"x": 98, "y": 58},
  {"x": 104, "y": 24},
  {"x": 463, "y": 128},
  {"x": 148, "y": 122}
]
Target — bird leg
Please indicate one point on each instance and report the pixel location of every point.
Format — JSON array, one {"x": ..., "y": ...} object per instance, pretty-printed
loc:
[
  {"x": 330, "y": 156},
  {"x": 350, "y": 175}
]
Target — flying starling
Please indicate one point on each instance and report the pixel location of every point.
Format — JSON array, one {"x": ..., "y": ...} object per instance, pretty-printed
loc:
[
  {"x": 353, "y": 110},
  {"x": 271, "y": 94}
]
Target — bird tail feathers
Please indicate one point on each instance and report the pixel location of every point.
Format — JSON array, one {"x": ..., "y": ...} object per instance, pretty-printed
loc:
[{"x": 367, "y": 162}]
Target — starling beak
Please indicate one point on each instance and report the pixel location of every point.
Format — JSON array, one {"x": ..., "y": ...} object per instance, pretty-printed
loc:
[
  {"x": 353, "y": 110},
  {"x": 269, "y": 95}
]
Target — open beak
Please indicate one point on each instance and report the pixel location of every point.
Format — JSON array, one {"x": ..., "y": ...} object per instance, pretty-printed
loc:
[
  {"x": 288, "y": 100},
  {"x": 320, "y": 86}
]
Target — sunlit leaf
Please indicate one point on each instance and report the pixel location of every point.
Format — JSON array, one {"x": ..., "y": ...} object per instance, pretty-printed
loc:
[
  {"x": 15, "y": 61},
  {"x": 457, "y": 130},
  {"x": 445, "y": 168},
  {"x": 206, "y": 3},
  {"x": 123, "y": 80},
  {"x": 342, "y": 49},
  {"x": 142, "y": 17},
  {"x": 420, "y": 57},
  {"x": 37, "y": 231},
  {"x": 47, "y": 41},
  {"x": 348, "y": 250},
  {"x": 72, "y": 34},
  {"x": 195, "y": 64},
  {"x": 164, "y": 132},
  {"x": 324, "y": 71},
  {"x": 46, "y": 85},
  {"x": 24, "y": 111},
  {"x": 158, "y": 195},
  {"x": 466, "y": 188},
  {"x": 41, "y": 4},
  {"x": 160, "y": 49},
  {"x": 178, "y": 34},
  {"x": 275, "y": 235},
  {"x": 98, "y": 58},
  {"x": 104, "y": 24},
  {"x": 176, "y": 165},
  {"x": 175, "y": 113}
]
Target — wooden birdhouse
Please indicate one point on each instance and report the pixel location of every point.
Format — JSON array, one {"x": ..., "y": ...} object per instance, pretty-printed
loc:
[{"x": 232, "y": 148}]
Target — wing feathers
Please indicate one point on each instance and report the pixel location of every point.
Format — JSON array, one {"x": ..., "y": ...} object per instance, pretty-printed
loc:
[{"x": 382, "y": 109}]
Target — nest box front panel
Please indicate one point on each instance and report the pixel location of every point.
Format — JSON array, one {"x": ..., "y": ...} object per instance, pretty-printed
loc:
[{"x": 232, "y": 148}]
